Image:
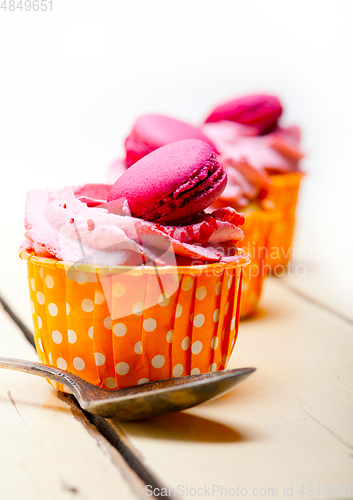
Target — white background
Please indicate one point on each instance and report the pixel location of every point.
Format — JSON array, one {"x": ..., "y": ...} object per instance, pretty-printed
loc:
[{"x": 72, "y": 81}]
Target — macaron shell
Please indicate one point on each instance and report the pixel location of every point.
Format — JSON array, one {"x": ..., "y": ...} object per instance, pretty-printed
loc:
[
  {"x": 261, "y": 111},
  {"x": 180, "y": 178},
  {"x": 153, "y": 131},
  {"x": 174, "y": 211}
]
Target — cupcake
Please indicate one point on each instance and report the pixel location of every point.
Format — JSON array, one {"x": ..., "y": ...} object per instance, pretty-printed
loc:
[
  {"x": 261, "y": 158},
  {"x": 134, "y": 282},
  {"x": 152, "y": 131}
]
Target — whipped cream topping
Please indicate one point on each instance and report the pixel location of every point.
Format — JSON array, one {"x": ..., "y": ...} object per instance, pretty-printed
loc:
[
  {"x": 249, "y": 159},
  {"x": 74, "y": 225}
]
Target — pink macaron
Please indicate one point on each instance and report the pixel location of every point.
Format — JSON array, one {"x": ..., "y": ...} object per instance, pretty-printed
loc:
[
  {"x": 260, "y": 110},
  {"x": 151, "y": 132},
  {"x": 171, "y": 184}
]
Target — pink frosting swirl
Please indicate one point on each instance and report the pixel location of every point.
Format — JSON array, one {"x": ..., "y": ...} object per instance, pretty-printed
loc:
[
  {"x": 74, "y": 225},
  {"x": 249, "y": 159}
]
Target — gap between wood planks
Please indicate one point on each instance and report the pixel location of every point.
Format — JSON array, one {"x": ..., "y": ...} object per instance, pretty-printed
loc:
[{"x": 117, "y": 439}]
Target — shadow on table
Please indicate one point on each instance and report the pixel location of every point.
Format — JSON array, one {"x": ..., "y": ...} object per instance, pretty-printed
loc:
[{"x": 184, "y": 427}]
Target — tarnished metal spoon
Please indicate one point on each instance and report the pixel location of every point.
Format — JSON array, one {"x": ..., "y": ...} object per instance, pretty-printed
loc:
[{"x": 138, "y": 402}]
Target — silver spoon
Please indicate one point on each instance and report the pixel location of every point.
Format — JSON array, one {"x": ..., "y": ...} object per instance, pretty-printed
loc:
[{"x": 138, "y": 402}]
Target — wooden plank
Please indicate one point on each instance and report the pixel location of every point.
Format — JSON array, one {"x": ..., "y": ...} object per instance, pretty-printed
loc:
[
  {"x": 321, "y": 268},
  {"x": 48, "y": 447},
  {"x": 289, "y": 425}
]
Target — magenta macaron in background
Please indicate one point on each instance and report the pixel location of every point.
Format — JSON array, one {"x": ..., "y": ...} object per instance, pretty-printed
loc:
[
  {"x": 153, "y": 131},
  {"x": 259, "y": 110},
  {"x": 171, "y": 184}
]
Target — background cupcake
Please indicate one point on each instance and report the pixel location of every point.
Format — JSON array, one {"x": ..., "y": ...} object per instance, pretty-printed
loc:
[{"x": 262, "y": 157}]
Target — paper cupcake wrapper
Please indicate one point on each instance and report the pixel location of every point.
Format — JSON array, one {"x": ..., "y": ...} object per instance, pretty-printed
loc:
[
  {"x": 257, "y": 228},
  {"x": 122, "y": 326},
  {"x": 283, "y": 194}
]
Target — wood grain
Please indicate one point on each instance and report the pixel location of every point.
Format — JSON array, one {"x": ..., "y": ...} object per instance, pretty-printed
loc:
[{"x": 48, "y": 447}]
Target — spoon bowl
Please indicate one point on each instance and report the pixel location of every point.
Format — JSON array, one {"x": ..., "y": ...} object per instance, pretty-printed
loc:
[{"x": 138, "y": 402}]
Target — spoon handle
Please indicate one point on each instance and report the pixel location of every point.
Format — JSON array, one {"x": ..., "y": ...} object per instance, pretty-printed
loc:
[{"x": 40, "y": 370}]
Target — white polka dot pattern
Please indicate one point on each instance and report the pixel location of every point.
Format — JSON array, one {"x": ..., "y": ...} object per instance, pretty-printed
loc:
[
  {"x": 178, "y": 311},
  {"x": 81, "y": 278},
  {"x": 108, "y": 323},
  {"x": 99, "y": 358},
  {"x": 214, "y": 343},
  {"x": 111, "y": 383},
  {"x": 163, "y": 299},
  {"x": 87, "y": 305},
  {"x": 149, "y": 324},
  {"x": 53, "y": 309},
  {"x": 61, "y": 363},
  {"x": 49, "y": 281},
  {"x": 138, "y": 347},
  {"x": 79, "y": 364},
  {"x": 40, "y": 298},
  {"x": 196, "y": 347},
  {"x": 185, "y": 343},
  {"x": 57, "y": 337},
  {"x": 122, "y": 368},
  {"x": 119, "y": 329},
  {"x": 201, "y": 293},
  {"x": 72, "y": 337},
  {"x": 199, "y": 320},
  {"x": 178, "y": 370},
  {"x": 99, "y": 297},
  {"x": 138, "y": 308},
  {"x": 187, "y": 283},
  {"x": 155, "y": 345},
  {"x": 158, "y": 361},
  {"x": 216, "y": 316},
  {"x": 143, "y": 381}
]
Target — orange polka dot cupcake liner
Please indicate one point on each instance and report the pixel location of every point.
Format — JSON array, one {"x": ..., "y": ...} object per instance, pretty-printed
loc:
[
  {"x": 283, "y": 194},
  {"x": 121, "y": 326},
  {"x": 257, "y": 228}
]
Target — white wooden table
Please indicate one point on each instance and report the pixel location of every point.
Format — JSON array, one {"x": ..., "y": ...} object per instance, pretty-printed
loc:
[{"x": 284, "y": 432}]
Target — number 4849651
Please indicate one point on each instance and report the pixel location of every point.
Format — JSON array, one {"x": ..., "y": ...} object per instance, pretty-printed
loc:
[{"x": 35, "y": 5}]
